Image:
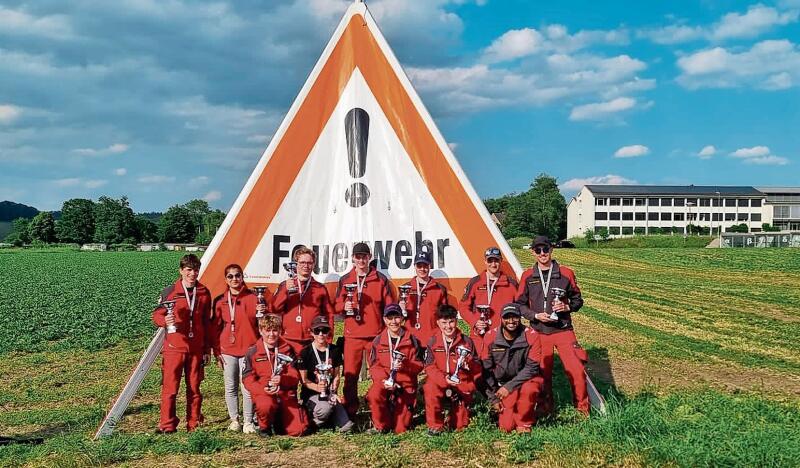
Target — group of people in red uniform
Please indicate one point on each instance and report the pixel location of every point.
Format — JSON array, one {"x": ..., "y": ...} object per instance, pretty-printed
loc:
[{"x": 269, "y": 345}]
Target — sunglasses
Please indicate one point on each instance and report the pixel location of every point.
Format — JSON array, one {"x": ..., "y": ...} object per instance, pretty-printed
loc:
[
  {"x": 237, "y": 275},
  {"x": 541, "y": 250},
  {"x": 321, "y": 331}
]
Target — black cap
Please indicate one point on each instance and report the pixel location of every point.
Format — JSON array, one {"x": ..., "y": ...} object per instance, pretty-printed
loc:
[
  {"x": 392, "y": 309},
  {"x": 541, "y": 240},
  {"x": 320, "y": 322},
  {"x": 423, "y": 257},
  {"x": 361, "y": 248},
  {"x": 493, "y": 252},
  {"x": 509, "y": 309}
]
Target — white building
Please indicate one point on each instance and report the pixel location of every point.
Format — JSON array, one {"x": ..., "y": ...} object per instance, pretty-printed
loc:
[
  {"x": 783, "y": 205},
  {"x": 649, "y": 209}
]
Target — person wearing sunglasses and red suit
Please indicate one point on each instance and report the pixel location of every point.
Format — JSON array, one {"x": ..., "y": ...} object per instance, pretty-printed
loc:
[
  {"x": 548, "y": 294},
  {"x": 236, "y": 313}
]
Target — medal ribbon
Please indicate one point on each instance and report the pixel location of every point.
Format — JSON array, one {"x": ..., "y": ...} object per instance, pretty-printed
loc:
[
  {"x": 419, "y": 296},
  {"x": 447, "y": 346},
  {"x": 232, "y": 310},
  {"x": 191, "y": 306},
  {"x": 302, "y": 292},
  {"x": 490, "y": 285},
  {"x": 269, "y": 356},
  {"x": 545, "y": 286}
]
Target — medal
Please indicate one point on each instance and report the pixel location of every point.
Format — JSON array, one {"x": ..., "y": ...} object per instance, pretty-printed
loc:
[
  {"x": 358, "y": 318},
  {"x": 417, "y": 326},
  {"x": 191, "y": 334},
  {"x": 298, "y": 319}
]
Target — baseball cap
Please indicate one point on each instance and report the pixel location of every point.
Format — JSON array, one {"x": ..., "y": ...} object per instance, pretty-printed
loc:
[
  {"x": 392, "y": 309},
  {"x": 320, "y": 322},
  {"x": 361, "y": 248},
  {"x": 423, "y": 257},
  {"x": 493, "y": 252},
  {"x": 541, "y": 240},
  {"x": 511, "y": 308}
]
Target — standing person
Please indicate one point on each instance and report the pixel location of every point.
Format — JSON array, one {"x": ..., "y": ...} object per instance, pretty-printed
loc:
[
  {"x": 510, "y": 356},
  {"x": 236, "y": 323},
  {"x": 492, "y": 288},
  {"x": 274, "y": 395},
  {"x": 537, "y": 296},
  {"x": 299, "y": 300},
  {"x": 321, "y": 395},
  {"x": 441, "y": 364},
  {"x": 362, "y": 310},
  {"x": 187, "y": 344},
  {"x": 392, "y": 401},
  {"x": 425, "y": 297}
]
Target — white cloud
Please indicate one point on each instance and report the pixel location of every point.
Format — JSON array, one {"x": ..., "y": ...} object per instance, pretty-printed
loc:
[
  {"x": 518, "y": 43},
  {"x": 514, "y": 44},
  {"x": 707, "y": 152},
  {"x": 156, "y": 179},
  {"x": 78, "y": 182},
  {"x": 95, "y": 183},
  {"x": 610, "y": 179},
  {"x": 201, "y": 180},
  {"x": 67, "y": 182},
  {"x": 601, "y": 110},
  {"x": 212, "y": 196},
  {"x": 673, "y": 34},
  {"x": 632, "y": 151},
  {"x": 770, "y": 160},
  {"x": 258, "y": 139},
  {"x": 452, "y": 146},
  {"x": 9, "y": 113},
  {"x": 756, "y": 21},
  {"x": 751, "y": 152},
  {"x": 18, "y": 22},
  {"x": 120, "y": 171},
  {"x": 116, "y": 148}
]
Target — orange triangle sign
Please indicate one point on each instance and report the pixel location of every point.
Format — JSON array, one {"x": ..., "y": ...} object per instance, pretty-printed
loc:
[{"x": 357, "y": 158}]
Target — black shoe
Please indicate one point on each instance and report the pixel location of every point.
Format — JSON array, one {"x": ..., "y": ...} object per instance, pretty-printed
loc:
[
  {"x": 434, "y": 432},
  {"x": 264, "y": 433}
]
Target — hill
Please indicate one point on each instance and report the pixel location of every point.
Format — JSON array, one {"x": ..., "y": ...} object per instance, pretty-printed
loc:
[{"x": 10, "y": 211}]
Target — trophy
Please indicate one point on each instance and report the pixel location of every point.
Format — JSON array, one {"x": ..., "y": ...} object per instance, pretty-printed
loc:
[
  {"x": 170, "y": 306},
  {"x": 558, "y": 295},
  {"x": 405, "y": 291},
  {"x": 462, "y": 352},
  {"x": 483, "y": 311},
  {"x": 397, "y": 358},
  {"x": 324, "y": 375},
  {"x": 291, "y": 269},
  {"x": 350, "y": 288},
  {"x": 281, "y": 361},
  {"x": 260, "y": 297}
]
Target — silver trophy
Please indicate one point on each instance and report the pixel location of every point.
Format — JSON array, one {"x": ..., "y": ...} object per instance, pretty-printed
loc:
[
  {"x": 170, "y": 306},
  {"x": 483, "y": 312},
  {"x": 351, "y": 288},
  {"x": 260, "y": 290},
  {"x": 324, "y": 379},
  {"x": 462, "y": 352},
  {"x": 558, "y": 295},
  {"x": 281, "y": 361},
  {"x": 405, "y": 291},
  {"x": 291, "y": 269},
  {"x": 397, "y": 359}
]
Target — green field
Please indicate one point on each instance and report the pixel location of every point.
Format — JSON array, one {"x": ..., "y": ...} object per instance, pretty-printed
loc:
[{"x": 695, "y": 348}]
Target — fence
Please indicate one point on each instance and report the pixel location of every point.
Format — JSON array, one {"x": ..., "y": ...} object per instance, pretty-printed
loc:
[{"x": 761, "y": 239}]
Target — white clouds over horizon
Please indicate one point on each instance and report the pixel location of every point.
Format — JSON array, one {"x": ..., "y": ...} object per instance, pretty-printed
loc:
[
  {"x": 115, "y": 148},
  {"x": 759, "y": 155},
  {"x": 707, "y": 152},
  {"x": 632, "y": 151},
  {"x": 610, "y": 179}
]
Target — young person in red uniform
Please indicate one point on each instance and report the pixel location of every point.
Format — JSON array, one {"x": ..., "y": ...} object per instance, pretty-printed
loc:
[
  {"x": 321, "y": 397},
  {"x": 362, "y": 317},
  {"x": 235, "y": 315},
  {"x": 425, "y": 297},
  {"x": 392, "y": 402},
  {"x": 187, "y": 344},
  {"x": 299, "y": 300},
  {"x": 551, "y": 318},
  {"x": 492, "y": 288},
  {"x": 441, "y": 364},
  {"x": 510, "y": 356},
  {"x": 275, "y": 396}
]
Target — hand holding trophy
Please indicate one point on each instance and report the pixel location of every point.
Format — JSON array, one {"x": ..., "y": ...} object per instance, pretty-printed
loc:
[
  {"x": 170, "y": 318},
  {"x": 462, "y": 352},
  {"x": 405, "y": 291},
  {"x": 559, "y": 295},
  {"x": 291, "y": 269},
  {"x": 281, "y": 361},
  {"x": 353, "y": 310},
  {"x": 483, "y": 316},
  {"x": 324, "y": 379},
  {"x": 397, "y": 361},
  {"x": 260, "y": 298}
]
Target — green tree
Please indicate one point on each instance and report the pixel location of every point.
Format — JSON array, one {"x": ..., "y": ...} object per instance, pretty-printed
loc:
[
  {"x": 146, "y": 230},
  {"x": 43, "y": 227},
  {"x": 589, "y": 236},
  {"x": 211, "y": 223},
  {"x": 114, "y": 221},
  {"x": 20, "y": 232},
  {"x": 77, "y": 221},
  {"x": 198, "y": 209},
  {"x": 541, "y": 210},
  {"x": 177, "y": 225},
  {"x": 603, "y": 233},
  {"x": 499, "y": 205}
]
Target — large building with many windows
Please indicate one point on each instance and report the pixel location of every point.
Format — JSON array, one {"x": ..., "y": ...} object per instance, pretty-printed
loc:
[{"x": 664, "y": 209}]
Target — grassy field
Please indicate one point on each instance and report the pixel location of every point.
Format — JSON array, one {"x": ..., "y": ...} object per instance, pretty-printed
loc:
[
  {"x": 695, "y": 348},
  {"x": 676, "y": 241}
]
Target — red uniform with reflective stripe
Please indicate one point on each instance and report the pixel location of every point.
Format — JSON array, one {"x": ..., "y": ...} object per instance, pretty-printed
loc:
[
  {"x": 315, "y": 301},
  {"x": 245, "y": 329},
  {"x": 433, "y": 295},
  {"x": 477, "y": 293},
  {"x": 375, "y": 295},
  {"x": 437, "y": 360}
]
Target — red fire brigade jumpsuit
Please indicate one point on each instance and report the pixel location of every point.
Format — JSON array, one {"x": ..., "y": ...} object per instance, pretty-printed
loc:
[
  {"x": 477, "y": 293},
  {"x": 440, "y": 362},
  {"x": 310, "y": 300},
  {"x": 427, "y": 301},
  {"x": 256, "y": 376},
  {"x": 183, "y": 352},
  {"x": 244, "y": 326}
]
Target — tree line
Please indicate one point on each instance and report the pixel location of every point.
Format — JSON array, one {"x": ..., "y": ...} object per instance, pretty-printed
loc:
[
  {"x": 112, "y": 221},
  {"x": 541, "y": 210}
]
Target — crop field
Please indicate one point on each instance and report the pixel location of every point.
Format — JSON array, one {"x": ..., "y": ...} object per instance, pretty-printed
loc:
[{"x": 695, "y": 349}]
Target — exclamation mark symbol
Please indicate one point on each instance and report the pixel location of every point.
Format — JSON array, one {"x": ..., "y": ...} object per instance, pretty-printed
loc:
[{"x": 356, "y": 131}]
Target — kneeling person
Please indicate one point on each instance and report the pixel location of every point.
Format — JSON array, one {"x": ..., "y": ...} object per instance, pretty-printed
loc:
[
  {"x": 510, "y": 358},
  {"x": 319, "y": 366},
  {"x": 394, "y": 364},
  {"x": 271, "y": 378},
  {"x": 452, "y": 365}
]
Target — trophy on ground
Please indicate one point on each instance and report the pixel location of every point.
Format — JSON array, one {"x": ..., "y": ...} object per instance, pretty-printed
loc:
[
  {"x": 324, "y": 379},
  {"x": 350, "y": 288},
  {"x": 170, "y": 306},
  {"x": 281, "y": 361},
  {"x": 291, "y": 269},
  {"x": 260, "y": 298},
  {"x": 397, "y": 359},
  {"x": 483, "y": 312},
  {"x": 558, "y": 295},
  {"x": 462, "y": 352},
  {"x": 405, "y": 291}
]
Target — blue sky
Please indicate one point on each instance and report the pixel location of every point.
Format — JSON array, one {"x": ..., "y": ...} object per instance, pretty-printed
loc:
[{"x": 168, "y": 100}]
